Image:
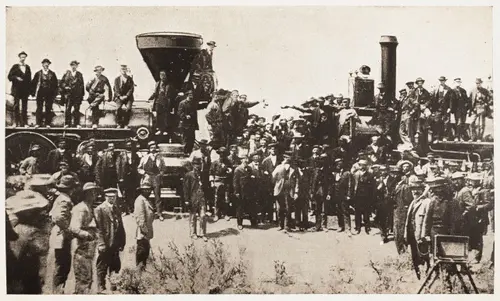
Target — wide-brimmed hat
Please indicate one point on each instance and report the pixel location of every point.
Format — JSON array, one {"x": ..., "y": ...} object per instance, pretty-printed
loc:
[
  {"x": 22, "y": 53},
  {"x": 403, "y": 162},
  {"x": 25, "y": 200},
  {"x": 436, "y": 182},
  {"x": 457, "y": 175},
  {"x": 458, "y": 80},
  {"x": 111, "y": 191},
  {"x": 98, "y": 68},
  {"x": 90, "y": 186},
  {"x": 442, "y": 79},
  {"x": 415, "y": 182},
  {"x": 74, "y": 63},
  {"x": 474, "y": 177},
  {"x": 211, "y": 43},
  {"x": 479, "y": 81},
  {"x": 419, "y": 80},
  {"x": 66, "y": 182},
  {"x": 46, "y": 61},
  {"x": 410, "y": 83}
]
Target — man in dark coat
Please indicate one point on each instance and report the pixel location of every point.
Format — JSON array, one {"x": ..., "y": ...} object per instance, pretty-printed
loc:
[
  {"x": 44, "y": 88},
  {"x": 106, "y": 169},
  {"x": 194, "y": 198},
  {"x": 72, "y": 92},
  {"x": 286, "y": 191},
  {"x": 440, "y": 106},
  {"x": 110, "y": 238},
  {"x": 317, "y": 191},
  {"x": 481, "y": 101},
  {"x": 340, "y": 192},
  {"x": 188, "y": 116},
  {"x": 243, "y": 191},
  {"x": 20, "y": 76},
  {"x": 384, "y": 113},
  {"x": 268, "y": 166},
  {"x": 364, "y": 192},
  {"x": 402, "y": 199},
  {"x": 459, "y": 107},
  {"x": 203, "y": 61},
  {"x": 124, "y": 96},
  {"x": 58, "y": 155},
  {"x": 163, "y": 104},
  {"x": 99, "y": 90},
  {"x": 128, "y": 176}
]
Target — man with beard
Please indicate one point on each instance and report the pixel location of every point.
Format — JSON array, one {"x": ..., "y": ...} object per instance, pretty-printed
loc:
[
  {"x": 110, "y": 239},
  {"x": 188, "y": 116},
  {"x": 460, "y": 106},
  {"x": 340, "y": 192},
  {"x": 57, "y": 155},
  {"x": 410, "y": 86},
  {"x": 73, "y": 90},
  {"x": 263, "y": 150},
  {"x": 87, "y": 164},
  {"x": 416, "y": 225},
  {"x": 269, "y": 164},
  {"x": 107, "y": 169},
  {"x": 384, "y": 204},
  {"x": 286, "y": 191},
  {"x": 60, "y": 238},
  {"x": 364, "y": 192},
  {"x": 83, "y": 228},
  {"x": 124, "y": 96},
  {"x": 44, "y": 89},
  {"x": 402, "y": 199},
  {"x": 162, "y": 102},
  {"x": 440, "y": 106},
  {"x": 151, "y": 168},
  {"x": 100, "y": 91},
  {"x": 20, "y": 76}
]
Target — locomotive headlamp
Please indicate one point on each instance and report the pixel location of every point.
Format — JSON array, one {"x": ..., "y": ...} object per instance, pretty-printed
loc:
[{"x": 142, "y": 133}]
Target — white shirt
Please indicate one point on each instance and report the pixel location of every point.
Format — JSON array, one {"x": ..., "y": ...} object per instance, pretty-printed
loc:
[
  {"x": 23, "y": 68},
  {"x": 273, "y": 159},
  {"x": 73, "y": 73},
  {"x": 45, "y": 71}
]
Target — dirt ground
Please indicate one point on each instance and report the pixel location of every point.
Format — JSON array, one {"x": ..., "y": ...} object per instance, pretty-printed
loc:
[{"x": 308, "y": 257}]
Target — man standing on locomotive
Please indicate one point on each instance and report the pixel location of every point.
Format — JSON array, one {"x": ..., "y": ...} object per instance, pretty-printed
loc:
[
  {"x": 44, "y": 88},
  {"x": 20, "y": 76},
  {"x": 99, "y": 90},
  {"x": 188, "y": 116},
  {"x": 124, "y": 96},
  {"x": 163, "y": 97},
  {"x": 73, "y": 90}
]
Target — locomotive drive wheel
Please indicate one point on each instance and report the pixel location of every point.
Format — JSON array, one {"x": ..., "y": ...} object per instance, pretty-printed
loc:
[{"x": 17, "y": 146}]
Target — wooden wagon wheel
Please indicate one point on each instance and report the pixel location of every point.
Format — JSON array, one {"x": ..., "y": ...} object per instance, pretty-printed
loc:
[{"x": 17, "y": 146}]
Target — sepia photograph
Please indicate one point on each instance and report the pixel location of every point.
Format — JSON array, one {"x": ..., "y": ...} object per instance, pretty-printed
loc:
[{"x": 249, "y": 150}]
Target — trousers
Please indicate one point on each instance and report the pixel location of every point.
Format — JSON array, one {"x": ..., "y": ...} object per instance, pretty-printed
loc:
[
  {"x": 123, "y": 111},
  {"x": 62, "y": 266},
  {"x": 344, "y": 218},
  {"x": 283, "y": 205},
  {"x": 155, "y": 181},
  {"x": 72, "y": 113},
  {"x": 301, "y": 216},
  {"x": 142, "y": 252},
  {"x": 44, "y": 101},
  {"x": 197, "y": 221},
  {"x": 188, "y": 136},
  {"x": 82, "y": 267},
  {"x": 21, "y": 110},
  {"x": 108, "y": 262}
]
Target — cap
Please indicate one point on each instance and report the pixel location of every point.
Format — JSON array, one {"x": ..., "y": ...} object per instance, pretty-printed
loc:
[
  {"x": 419, "y": 80},
  {"x": 46, "y": 61},
  {"x": 98, "y": 68},
  {"x": 90, "y": 186},
  {"x": 442, "y": 78},
  {"x": 457, "y": 175},
  {"x": 22, "y": 53},
  {"x": 74, "y": 63},
  {"x": 66, "y": 181},
  {"x": 151, "y": 143},
  {"x": 110, "y": 191}
]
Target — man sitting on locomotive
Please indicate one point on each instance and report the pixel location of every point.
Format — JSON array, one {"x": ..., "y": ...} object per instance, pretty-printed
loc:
[
  {"x": 99, "y": 90},
  {"x": 124, "y": 95}
]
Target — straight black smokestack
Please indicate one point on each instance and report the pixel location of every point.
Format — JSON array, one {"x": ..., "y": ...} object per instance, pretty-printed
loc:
[{"x": 388, "y": 70}]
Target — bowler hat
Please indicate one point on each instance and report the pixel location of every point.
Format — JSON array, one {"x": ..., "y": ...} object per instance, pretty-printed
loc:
[
  {"x": 90, "y": 186},
  {"x": 419, "y": 80},
  {"x": 66, "y": 181},
  {"x": 442, "y": 78},
  {"x": 211, "y": 43},
  {"x": 98, "y": 68},
  {"x": 22, "y": 53},
  {"x": 436, "y": 182},
  {"x": 479, "y": 81},
  {"x": 46, "y": 61},
  {"x": 74, "y": 63},
  {"x": 403, "y": 162}
]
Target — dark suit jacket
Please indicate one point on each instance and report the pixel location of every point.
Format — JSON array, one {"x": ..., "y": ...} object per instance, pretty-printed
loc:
[
  {"x": 202, "y": 62},
  {"x": 22, "y": 88},
  {"x": 241, "y": 181},
  {"x": 73, "y": 86},
  {"x": 473, "y": 93},
  {"x": 420, "y": 96},
  {"x": 341, "y": 189},
  {"x": 53, "y": 84},
  {"x": 103, "y": 164},
  {"x": 193, "y": 190},
  {"x": 188, "y": 108},
  {"x": 380, "y": 154},
  {"x": 443, "y": 104},
  {"x": 124, "y": 168},
  {"x": 461, "y": 103},
  {"x": 110, "y": 231},
  {"x": 55, "y": 157},
  {"x": 126, "y": 89}
]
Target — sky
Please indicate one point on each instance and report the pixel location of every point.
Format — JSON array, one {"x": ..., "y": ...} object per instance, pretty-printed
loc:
[{"x": 282, "y": 54}]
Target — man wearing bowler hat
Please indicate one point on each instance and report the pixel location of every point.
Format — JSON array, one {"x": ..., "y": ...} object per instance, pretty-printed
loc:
[
  {"x": 99, "y": 90},
  {"x": 440, "y": 106},
  {"x": 144, "y": 214},
  {"x": 44, "y": 88},
  {"x": 461, "y": 104},
  {"x": 110, "y": 238},
  {"x": 20, "y": 76},
  {"x": 73, "y": 90},
  {"x": 124, "y": 96}
]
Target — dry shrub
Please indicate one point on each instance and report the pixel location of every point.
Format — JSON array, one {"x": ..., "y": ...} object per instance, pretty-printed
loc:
[{"x": 192, "y": 270}]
